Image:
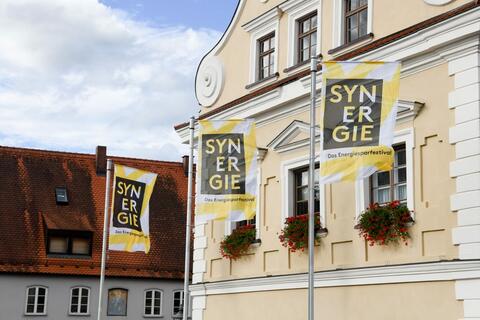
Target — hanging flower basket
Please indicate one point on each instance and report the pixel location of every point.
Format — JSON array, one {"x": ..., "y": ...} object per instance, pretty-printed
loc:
[
  {"x": 294, "y": 235},
  {"x": 385, "y": 224},
  {"x": 238, "y": 242}
]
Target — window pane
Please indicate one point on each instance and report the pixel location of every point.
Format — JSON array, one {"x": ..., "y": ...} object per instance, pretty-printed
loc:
[
  {"x": 74, "y": 299},
  {"x": 305, "y": 54},
  {"x": 363, "y": 2},
  {"x": 266, "y": 45},
  {"x": 302, "y": 208},
  {"x": 41, "y": 300},
  {"x": 383, "y": 178},
  {"x": 400, "y": 156},
  {"x": 353, "y": 4},
  {"x": 58, "y": 244},
  {"x": 272, "y": 42},
  {"x": 31, "y": 291},
  {"x": 84, "y": 309},
  {"x": 156, "y": 310},
  {"x": 401, "y": 175},
  {"x": 306, "y": 26},
  {"x": 40, "y": 308},
  {"x": 306, "y": 42},
  {"x": 30, "y": 308},
  {"x": 84, "y": 300},
  {"x": 383, "y": 195},
  {"x": 41, "y": 291},
  {"x": 148, "y": 310},
  {"x": 31, "y": 299},
  {"x": 148, "y": 295},
  {"x": 272, "y": 60},
  {"x": 75, "y": 292},
  {"x": 302, "y": 193},
  {"x": 74, "y": 308},
  {"x": 401, "y": 192},
  {"x": 314, "y": 22},
  {"x": 80, "y": 246},
  {"x": 363, "y": 23}
]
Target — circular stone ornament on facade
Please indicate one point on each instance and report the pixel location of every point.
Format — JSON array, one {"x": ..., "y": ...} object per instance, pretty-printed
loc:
[
  {"x": 209, "y": 82},
  {"x": 437, "y": 2}
]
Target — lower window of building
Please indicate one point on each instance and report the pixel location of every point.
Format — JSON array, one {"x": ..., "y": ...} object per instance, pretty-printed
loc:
[
  {"x": 117, "y": 302},
  {"x": 153, "y": 302},
  {"x": 177, "y": 302},
  {"x": 79, "y": 301},
  {"x": 36, "y": 303},
  {"x": 391, "y": 185},
  {"x": 301, "y": 191}
]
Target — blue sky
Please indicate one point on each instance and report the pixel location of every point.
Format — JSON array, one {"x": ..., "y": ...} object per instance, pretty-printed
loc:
[
  {"x": 80, "y": 73},
  {"x": 214, "y": 14}
]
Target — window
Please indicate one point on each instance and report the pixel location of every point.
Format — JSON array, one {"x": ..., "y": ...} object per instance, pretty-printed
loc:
[
  {"x": 177, "y": 302},
  {"x": 61, "y": 195},
  {"x": 79, "y": 299},
  {"x": 75, "y": 243},
  {"x": 153, "y": 302},
  {"x": 307, "y": 37},
  {"x": 266, "y": 56},
  {"x": 246, "y": 222},
  {"x": 391, "y": 185},
  {"x": 36, "y": 303},
  {"x": 301, "y": 191},
  {"x": 355, "y": 19},
  {"x": 117, "y": 302}
]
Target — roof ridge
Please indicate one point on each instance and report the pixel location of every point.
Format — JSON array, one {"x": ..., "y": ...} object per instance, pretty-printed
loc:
[{"x": 33, "y": 151}]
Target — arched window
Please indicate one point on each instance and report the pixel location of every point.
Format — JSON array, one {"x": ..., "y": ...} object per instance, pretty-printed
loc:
[
  {"x": 117, "y": 302},
  {"x": 79, "y": 301},
  {"x": 36, "y": 302},
  {"x": 153, "y": 303}
]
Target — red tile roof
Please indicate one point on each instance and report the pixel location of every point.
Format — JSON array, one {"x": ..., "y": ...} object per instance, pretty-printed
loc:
[{"x": 28, "y": 179}]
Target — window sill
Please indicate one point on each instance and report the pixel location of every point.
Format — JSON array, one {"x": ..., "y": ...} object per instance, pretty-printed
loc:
[
  {"x": 300, "y": 65},
  {"x": 35, "y": 314},
  {"x": 264, "y": 81},
  {"x": 351, "y": 45},
  {"x": 152, "y": 316},
  {"x": 79, "y": 314}
]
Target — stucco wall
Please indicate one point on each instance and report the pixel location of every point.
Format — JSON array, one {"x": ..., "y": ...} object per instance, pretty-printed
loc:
[
  {"x": 415, "y": 301},
  {"x": 13, "y": 294}
]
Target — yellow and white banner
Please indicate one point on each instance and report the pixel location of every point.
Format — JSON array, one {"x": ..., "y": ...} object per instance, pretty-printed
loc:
[
  {"x": 129, "y": 221},
  {"x": 226, "y": 170},
  {"x": 359, "y": 109}
]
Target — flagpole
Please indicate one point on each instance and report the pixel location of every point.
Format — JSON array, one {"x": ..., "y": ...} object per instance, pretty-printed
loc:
[
  {"x": 104, "y": 239},
  {"x": 186, "y": 293},
  {"x": 311, "y": 195}
]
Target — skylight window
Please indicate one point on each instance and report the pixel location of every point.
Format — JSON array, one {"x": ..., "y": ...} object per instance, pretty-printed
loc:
[{"x": 61, "y": 195}]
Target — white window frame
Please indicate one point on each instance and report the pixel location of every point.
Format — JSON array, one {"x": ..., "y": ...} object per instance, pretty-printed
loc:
[
  {"x": 296, "y": 10},
  {"x": 288, "y": 181},
  {"x": 338, "y": 30},
  {"x": 173, "y": 299},
  {"x": 79, "y": 313},
  {"x": 259, "y": 28},
  {"x": 362, "y": 187},
  {"x": 153, "y": 290},
  {"x": 35, "y": 306}
]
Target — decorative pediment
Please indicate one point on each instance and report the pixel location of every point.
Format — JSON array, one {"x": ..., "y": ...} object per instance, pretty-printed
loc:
[
  {"x": 408, "y": 110},
  {"x": 295, "y": 135}
]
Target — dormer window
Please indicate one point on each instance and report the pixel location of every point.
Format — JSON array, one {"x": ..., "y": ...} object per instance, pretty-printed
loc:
[
  {"x": 61, "y": 195},
  {"x": 266, "y": 56}
]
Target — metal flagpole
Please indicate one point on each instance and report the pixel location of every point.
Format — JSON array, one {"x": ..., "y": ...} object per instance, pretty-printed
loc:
[
  {"x": 104, "y": 240},
  {"x": 311, "y": 195},
  {"x": 186, "y": 294}
]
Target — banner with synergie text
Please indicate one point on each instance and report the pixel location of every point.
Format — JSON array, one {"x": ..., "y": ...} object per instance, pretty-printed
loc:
[
  {"x": 226, "y": 170},
  {"x": 359, "y": 108},
  {"x": 129, "y": 221}
]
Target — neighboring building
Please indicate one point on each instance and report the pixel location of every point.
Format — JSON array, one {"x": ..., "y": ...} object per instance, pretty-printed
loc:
[
  {"x": 259, "y": 69},
  {"x": 51, "y": 223}
]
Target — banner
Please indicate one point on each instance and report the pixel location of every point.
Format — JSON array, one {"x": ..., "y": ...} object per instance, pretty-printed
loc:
[
  {"x": 359, "y": 109},
  {"x": 129, "y": 221},
  {"x": 226, "y": 170}
]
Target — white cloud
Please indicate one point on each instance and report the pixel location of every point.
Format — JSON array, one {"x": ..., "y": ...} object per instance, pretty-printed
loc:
[{"x": 75, "y": 74}]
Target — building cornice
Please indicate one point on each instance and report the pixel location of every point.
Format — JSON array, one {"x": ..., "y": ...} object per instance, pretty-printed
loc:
[{"x": 418, "y": 272}]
